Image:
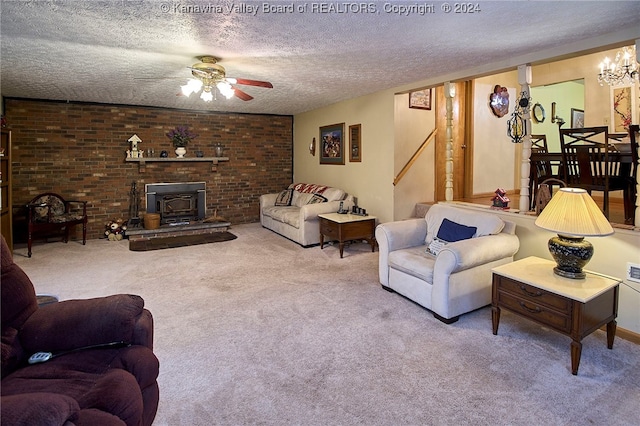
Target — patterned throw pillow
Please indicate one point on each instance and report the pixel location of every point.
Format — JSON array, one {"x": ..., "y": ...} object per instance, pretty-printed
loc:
[
  {"x": 317, "y": 198},
  {"x": 435, "y": 246},
  {"x": 284, "y": 198}
]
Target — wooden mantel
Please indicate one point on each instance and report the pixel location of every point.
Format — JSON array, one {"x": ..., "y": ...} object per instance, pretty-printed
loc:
[{"x": 142, "y": 161}]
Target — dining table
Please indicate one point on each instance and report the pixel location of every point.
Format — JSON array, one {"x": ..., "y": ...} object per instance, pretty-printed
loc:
[{"x": 621, "y": 165}]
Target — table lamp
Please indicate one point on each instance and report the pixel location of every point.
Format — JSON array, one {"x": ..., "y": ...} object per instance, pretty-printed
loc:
[{"x": 573, "y": 214}]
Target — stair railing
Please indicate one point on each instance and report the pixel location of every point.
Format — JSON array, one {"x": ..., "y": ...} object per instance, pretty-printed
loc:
[{"x": 415, "y": 156}]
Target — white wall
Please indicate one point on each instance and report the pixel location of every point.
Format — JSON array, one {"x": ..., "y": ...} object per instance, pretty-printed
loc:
[
  {"x": 412, "y": 127},
  {"x": 493, "y": 152},
  {"x": 391, "y": 133},
  {"x": 371, "y": 180}
]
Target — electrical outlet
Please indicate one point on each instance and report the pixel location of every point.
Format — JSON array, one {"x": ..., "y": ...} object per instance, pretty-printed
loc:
[{"x": 633, "y": 272}]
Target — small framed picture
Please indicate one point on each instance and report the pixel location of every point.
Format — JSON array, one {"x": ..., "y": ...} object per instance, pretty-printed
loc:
[
  {"x": 420, "y": 99},
  {"x": 332, "y": 144},
  {"x": 577, "y": 118},
  {"x": 355, "y": 146}
]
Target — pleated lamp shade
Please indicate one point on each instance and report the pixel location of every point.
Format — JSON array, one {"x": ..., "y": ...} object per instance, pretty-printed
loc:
[
  {"x": 573, "y": 212},
  {"x": 573, "y": 215}
]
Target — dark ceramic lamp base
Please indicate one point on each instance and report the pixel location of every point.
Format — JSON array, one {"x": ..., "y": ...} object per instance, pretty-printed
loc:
[{"x": 571, "y": 254}]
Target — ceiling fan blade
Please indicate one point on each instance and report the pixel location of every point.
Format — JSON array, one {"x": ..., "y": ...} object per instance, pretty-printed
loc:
[
  {"x": 158, "y": 78},
  {"x": 242, "y": 95},
  {"x": 258, "y": 83}
]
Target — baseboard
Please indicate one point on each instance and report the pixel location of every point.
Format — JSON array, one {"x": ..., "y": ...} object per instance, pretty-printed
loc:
[
  {"x": 628, "y": 335},
  {"x": 625, "y": 334}
]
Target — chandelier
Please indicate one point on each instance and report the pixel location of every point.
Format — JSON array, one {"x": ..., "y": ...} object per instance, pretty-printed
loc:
[{"x": 623, "y": 70}]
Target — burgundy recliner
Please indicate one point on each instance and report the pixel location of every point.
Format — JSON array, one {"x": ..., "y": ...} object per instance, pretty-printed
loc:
[{"x": 87, "y": 382}]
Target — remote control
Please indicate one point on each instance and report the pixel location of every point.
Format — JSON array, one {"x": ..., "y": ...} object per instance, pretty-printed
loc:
[{"x": 40, "y": 357}]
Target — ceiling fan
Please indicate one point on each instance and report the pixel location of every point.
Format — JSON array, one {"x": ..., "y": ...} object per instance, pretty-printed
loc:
[{"x": 211, "y": 76}]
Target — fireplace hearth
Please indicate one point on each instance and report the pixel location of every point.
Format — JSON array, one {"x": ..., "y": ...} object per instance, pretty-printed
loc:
[{"x": 177, "y": 203}]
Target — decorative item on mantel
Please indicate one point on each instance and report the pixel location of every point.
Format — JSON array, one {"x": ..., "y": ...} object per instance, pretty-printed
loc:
[
  {"x": 500, "y": 200},
  {"x": 134, "y": 152},
  {"x": 218, "y": 148},
  {"x": 180, "y": 137}
]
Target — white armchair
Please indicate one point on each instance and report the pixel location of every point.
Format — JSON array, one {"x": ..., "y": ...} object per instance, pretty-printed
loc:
[{"x": 458, "y": 279}]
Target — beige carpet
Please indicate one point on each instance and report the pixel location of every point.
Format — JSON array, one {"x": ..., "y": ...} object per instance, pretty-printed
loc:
[{"x": 259, "y": 331}]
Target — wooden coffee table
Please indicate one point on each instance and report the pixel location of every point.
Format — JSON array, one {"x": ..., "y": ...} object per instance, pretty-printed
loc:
[
  {"x": 573, "y": 307},
  {"x": 346, "y": 227}
]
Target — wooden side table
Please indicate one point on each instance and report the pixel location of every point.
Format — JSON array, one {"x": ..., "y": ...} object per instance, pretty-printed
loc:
[
  {"x": 345, "y": 227},
  {"x": 576, "y": 308}
]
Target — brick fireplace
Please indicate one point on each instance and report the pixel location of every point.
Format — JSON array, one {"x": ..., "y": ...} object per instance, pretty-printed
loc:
[
  {"x": 177, "y": 203},
  {"x": 78, "y": 150}
]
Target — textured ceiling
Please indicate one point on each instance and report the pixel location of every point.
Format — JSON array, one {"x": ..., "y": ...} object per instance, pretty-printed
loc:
[{"x": 137, "y": 52}]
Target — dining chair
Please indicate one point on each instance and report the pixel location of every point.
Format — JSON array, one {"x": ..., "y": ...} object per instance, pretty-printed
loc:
[
  {"x": 542, "y": 167},
  {"x": 539, "y": 143},
  {"x": 589, "y": 164}
]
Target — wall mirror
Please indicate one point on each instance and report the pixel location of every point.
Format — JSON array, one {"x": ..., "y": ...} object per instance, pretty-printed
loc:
[{"x": 538, "y": 113}]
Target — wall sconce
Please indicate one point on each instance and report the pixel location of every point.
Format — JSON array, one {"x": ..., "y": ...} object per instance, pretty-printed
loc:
[
  {"x": 554, "y": 117},
  {"x": 312, "y": 147}
]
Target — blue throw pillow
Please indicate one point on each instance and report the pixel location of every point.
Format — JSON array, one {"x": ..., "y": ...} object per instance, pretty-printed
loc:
[{"x": 451, "y": 231}]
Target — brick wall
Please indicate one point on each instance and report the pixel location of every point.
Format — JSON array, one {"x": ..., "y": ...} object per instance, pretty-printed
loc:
[{"x": 78, "y": 150}]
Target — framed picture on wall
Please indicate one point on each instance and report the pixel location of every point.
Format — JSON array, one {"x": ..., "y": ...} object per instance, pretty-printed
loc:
[
  {"x": 624, "y": 110},
  {"x": 332, "y": 144},
  {"x": 355, "y": 146},
  {"x": 420, "y": 99},
  {"x": 577, "y": 118}
]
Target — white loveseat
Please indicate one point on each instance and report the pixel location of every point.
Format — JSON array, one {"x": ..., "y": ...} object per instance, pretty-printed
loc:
[
  {"x": 458, "y": 279},
  {"x": 293, "y": 213}
]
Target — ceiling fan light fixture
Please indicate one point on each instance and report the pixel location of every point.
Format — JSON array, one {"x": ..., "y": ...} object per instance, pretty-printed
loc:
[
  {"x": 192, "y": 86},
  {"x": 211, "y": 78},
  {"x": 206, "y": 96},
  {"x": 225, "y": 89}
]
